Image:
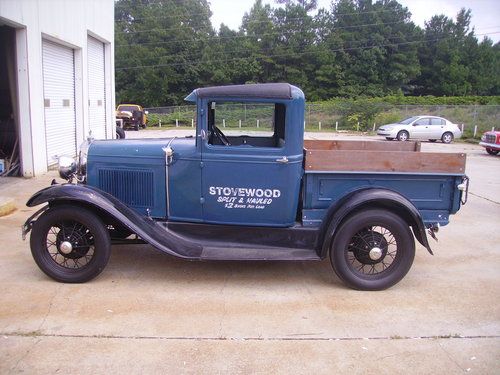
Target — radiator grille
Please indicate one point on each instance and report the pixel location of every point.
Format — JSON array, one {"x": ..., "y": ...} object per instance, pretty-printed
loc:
[
  {"x": 491, "y": 138},
  {"x": 132, "y": 187}
]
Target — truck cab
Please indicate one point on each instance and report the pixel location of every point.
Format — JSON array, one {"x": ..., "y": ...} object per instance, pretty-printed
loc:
[{"x": 257, "y": 192}]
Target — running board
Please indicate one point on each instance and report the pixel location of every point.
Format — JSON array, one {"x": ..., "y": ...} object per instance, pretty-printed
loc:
[{"x": 257, "y": 253}]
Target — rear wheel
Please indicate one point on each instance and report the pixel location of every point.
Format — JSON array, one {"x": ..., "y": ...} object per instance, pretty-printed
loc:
[
  {"x": 372, "y": 250},
  {"x": 136, "y": 127},
  {"x": 70, "y": 244},
  {"x": 403, "y": 136},
  {"x": 447, "y": 137},
  {"x": 491, "y": 151}
]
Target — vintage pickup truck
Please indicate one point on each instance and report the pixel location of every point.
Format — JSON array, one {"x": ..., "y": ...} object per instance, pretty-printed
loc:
[{"x": 249, "y": 196}]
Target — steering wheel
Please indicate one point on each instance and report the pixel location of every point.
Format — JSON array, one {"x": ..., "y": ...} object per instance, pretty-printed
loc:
[{"x": 220, "y": 135}]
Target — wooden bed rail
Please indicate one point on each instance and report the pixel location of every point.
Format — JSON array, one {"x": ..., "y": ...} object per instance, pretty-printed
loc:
[
  {"x": 384, "y": 161},
  {"x": 361, "y": 145}
]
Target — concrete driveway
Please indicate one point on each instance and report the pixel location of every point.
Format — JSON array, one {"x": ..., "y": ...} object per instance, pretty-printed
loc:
[{"x": 149, "y": 312}]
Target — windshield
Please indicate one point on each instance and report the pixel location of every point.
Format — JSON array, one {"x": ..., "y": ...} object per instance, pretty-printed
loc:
[
  {"x": 408, "y": 120},
  {"x": 129, "y": 108}
]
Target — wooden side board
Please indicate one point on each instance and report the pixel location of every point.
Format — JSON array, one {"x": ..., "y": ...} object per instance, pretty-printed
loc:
[
  {"x": 361, "y": 145},
  {"x": 386, "y": 161}
]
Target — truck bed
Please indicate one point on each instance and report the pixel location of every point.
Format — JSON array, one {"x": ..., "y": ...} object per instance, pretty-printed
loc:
[
  {"x": 336, "y": 168},
  {"x": 374, "y": 156}
]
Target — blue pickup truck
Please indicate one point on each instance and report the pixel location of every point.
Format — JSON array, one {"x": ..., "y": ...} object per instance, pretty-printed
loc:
[{"x": 236, "y": 194}]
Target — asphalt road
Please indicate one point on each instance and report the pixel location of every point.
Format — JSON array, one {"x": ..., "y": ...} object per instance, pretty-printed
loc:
[{"x": 149, "y": 312}]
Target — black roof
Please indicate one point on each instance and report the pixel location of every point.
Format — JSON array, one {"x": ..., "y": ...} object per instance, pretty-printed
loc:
[{"x": 259, "y": 90}]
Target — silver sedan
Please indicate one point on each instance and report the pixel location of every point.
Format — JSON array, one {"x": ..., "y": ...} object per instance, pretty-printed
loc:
[{"x": 421, "y": 127}]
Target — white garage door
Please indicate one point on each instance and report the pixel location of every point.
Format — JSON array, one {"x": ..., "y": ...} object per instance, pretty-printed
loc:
[
  {"x": 59, "y": 100},
  {"x": 97, "y": 88}
]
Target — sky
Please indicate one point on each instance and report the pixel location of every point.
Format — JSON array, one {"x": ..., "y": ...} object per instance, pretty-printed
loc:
[{"x": 485, "y": 13}]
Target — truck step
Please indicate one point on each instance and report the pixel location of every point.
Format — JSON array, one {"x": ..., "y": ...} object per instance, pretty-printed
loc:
[{"x": 257, "y": 253}]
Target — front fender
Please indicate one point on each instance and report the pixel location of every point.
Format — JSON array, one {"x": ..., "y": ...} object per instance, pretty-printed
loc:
[
  {"x": 372, "y": 198},
  {"x": 105, "y": 204}
]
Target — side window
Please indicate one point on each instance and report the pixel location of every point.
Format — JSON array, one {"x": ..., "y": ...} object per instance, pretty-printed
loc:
[
  {"x": 422, "y": 121},
  {"x": 437, "y": 121},
  {"x": 237, "y": 124}
]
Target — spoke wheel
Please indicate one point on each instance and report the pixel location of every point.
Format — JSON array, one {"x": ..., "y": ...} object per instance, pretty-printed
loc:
[
  {"x": 70, "y": 244},
  {"x": 372, "y": 250}
]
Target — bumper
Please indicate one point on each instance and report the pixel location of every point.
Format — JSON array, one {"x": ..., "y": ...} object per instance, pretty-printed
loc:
[
  {"x": 387, "y": 133},
  {"x": 493, "y": 146}
]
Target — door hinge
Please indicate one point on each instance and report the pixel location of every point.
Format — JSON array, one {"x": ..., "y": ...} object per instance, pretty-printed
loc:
[
  {"x": 202, "y": 200},
  {"x": 201, "y": 164}
]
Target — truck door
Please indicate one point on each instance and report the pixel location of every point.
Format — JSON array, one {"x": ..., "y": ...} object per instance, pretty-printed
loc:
[{"x": 250, "y": 174}]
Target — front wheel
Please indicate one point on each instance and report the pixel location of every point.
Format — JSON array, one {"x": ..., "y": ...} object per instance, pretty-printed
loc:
[
  {"x": 120, "y": 133},
  {"x": 403, "y": 136},
  {"x": 372, "y": 250},
  {"x": 70, "y": 244},
  {"x": 491, "y": 151}
]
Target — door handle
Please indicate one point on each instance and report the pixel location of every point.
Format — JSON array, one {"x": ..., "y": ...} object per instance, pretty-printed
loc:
[{"x": 282, "y": 160}]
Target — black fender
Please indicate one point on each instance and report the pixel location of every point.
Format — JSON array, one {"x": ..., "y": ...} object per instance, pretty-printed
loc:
[
  {"x": 107, "y": 206},
  {"x": 371, "y": 198}
]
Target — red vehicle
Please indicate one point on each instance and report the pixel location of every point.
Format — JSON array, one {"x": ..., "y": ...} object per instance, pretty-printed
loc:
[{"x": 491, "y": 142}]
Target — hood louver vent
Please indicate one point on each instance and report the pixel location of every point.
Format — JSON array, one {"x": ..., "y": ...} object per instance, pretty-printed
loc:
[{"x": 132, "y": 187}]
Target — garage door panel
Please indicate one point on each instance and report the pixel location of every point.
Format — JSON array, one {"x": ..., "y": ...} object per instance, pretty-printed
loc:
[
  {"x": 59, "y": 100},
  {"x": 96, "y": 87}
]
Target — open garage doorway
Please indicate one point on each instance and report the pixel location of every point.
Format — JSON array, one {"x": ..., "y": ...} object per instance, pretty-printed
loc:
[{"x": 10, "y": 162}]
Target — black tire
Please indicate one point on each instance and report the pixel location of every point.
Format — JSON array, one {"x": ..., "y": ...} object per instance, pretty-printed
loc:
[
  {"x": 136, "y": 127},
  {"x": 447, "y": 137},
  {"x": 432, "y": 140},
  {"x": 403, "y": 136},
  {"x": 491, "y": 151},
  {"x": 353, "y": 238},
  {"x": 120, "y": 133},
  {"x": 87, "y": 234},
  {"x": 389, "y": 138}
]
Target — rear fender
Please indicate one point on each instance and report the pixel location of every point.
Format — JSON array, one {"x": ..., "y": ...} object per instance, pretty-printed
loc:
[
  {"x": 366, "y": 199},
  {"x": 108, "y": 207}
]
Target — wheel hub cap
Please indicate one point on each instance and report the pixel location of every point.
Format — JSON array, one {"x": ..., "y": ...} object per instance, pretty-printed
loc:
[
  {"x": 65, "y": 247},
  {"x": 375, "y": 253}
]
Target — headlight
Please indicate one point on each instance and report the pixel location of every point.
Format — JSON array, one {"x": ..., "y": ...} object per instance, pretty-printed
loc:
[
  {"x": 67, "y": 167},
  {"x": 82, "y": 158}
]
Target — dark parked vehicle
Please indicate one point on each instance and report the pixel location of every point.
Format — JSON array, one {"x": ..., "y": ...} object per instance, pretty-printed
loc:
[
  {"x": 239, "y": 196},
  {"x": 132, "y": 115}
]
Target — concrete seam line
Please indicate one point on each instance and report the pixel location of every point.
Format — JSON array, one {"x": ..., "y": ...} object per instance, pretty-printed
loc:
[
  {"x": 486, "y": 199},
  {"x": 249, "y": 338}
]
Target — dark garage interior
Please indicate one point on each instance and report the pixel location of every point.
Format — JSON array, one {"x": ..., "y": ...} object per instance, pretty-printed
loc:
[{"x": 10, "y": 164}]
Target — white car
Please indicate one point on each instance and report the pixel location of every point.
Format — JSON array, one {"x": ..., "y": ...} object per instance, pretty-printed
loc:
[{"x": 421, "y": 127}]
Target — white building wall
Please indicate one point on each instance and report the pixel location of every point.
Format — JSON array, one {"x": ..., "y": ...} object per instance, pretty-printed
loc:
[{"x": 68, "y": 22}]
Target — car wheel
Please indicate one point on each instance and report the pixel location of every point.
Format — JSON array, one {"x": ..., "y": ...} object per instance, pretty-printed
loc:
[
  {"x": 403, "y": 136},
  {"x": 70, "y": 244},
  {"x": 136, "y": 127},
  {"x": 491, "y": 151},
  {"x": 372, "y": 250},
  {"x": 447, "y": 137},
  {"x": 389, "y": 138},
  {"x": 120, "y": 133},
  {"x": 432, "y": 140}
]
